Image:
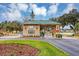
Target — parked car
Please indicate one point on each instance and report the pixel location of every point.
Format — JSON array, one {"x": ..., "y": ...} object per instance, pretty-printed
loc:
[{"x": 58, "y": 35}]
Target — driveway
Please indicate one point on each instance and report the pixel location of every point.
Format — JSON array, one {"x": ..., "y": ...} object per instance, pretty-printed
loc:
[{"x": 68, "y": 45}]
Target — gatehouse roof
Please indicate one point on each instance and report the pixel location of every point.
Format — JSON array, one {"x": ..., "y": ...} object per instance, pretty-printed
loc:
[{"x": 41, "y": 22}]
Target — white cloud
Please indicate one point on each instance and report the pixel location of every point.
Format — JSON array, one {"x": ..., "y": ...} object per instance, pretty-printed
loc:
[
  {"x": 11, "y": 16},
  {"x": 12, "y": 13},
  {"x": 39, "y": 10},
  {"x": 12, "y": 7},
  {"x": 69, "y": 8},
  {"x": 22, "y": 6},
  {"x": 53, "y": 9},
  {"x": 3, "y": 17}
]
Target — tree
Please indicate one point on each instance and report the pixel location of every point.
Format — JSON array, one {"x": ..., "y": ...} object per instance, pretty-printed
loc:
[
  {"x": 11, "y": 26},
  {"x": 70, "y": 18},
  {"x": 77, "y": 26}
]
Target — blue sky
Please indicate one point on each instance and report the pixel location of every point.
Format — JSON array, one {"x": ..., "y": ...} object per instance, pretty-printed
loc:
[{"x": 42, "y": 11}]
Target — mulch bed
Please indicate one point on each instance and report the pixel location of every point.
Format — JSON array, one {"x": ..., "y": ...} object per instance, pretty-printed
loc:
[{"x": 17, "y": 50}]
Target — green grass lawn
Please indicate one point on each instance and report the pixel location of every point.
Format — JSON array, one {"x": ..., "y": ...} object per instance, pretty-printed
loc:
[{"x": 45, "y": 48}]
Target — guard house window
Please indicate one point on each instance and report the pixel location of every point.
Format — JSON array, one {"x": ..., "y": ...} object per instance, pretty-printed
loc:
[{"x": 31, "y": 30}]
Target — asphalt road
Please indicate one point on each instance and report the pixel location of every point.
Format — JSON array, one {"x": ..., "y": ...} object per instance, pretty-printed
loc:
[{"x": 68, "y": 45}]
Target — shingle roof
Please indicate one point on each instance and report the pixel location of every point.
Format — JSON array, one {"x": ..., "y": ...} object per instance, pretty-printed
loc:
[{"x": 41, "y": 22}]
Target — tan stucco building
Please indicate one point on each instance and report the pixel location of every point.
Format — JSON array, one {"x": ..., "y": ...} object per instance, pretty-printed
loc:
[{"x": 35, "y": 27}]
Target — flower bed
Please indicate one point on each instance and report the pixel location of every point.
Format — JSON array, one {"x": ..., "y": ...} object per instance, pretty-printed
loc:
[{"x": 17, "y": 50}]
